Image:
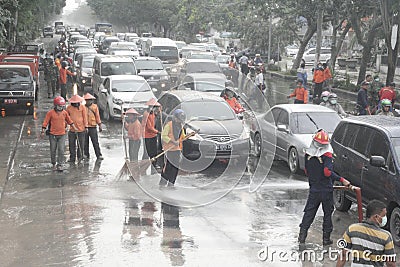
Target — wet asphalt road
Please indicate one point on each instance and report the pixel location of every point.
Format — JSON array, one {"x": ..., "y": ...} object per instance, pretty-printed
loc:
[{"x": 88, "y": 216}]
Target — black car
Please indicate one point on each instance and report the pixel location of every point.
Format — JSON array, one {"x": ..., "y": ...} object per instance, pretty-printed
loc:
[
  {"x": 48, "y": 32},
  {"x": 222, "y": 135},
  {"x": 153, "y": 71},
  {"x": 367, "y": 150}
]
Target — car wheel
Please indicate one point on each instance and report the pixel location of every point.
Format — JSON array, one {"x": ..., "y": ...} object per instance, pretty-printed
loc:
[
  {"x": 394, "y": 225},
  {"x": 341, "y": 202},
  {"x": 106, "y": 113},
  {"x": 257, "y": 144},
  {"x": 293, "y": 160}
]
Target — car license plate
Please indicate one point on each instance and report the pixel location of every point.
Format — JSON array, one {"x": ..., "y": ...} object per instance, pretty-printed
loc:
[
  {"x": 226, "y": 147},
  {"x": 10, "y": 101}
]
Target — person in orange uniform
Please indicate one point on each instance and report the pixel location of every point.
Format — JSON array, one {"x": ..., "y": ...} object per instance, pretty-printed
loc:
[
  {"x": 318, "y": 79},
  {"x": 172, "y": 137},
  {"x": 134, "y": 128},
  {"x": 327, "y": 75},
  {"x": 79, "y": 116},
  {"x": 93, "y": 120},
  {"x": 300, "y": 93},
  {"x": 63, "y": 78},
  {"x": 56, "y": 119},
  {"x": 149, "y": 129},
  {"x": 230, "y": 98}
]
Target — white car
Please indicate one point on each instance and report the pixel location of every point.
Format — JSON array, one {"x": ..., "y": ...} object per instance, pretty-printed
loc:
[
  {"x": 309, "y": 55},
  {"x": 118, "y": 93},
  {"x": 292, "y": 50}
]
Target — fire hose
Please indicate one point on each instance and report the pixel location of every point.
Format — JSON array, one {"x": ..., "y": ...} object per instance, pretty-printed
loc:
[{"x": 357, "y": 190}]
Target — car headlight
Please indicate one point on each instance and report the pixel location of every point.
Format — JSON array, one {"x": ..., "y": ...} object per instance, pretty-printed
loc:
[
  {"x": 84, "y": 74},
  {"x": 174, "y": 70},
  {"x": 118, "y": 101},
  {"x": 164, "y": 78}
]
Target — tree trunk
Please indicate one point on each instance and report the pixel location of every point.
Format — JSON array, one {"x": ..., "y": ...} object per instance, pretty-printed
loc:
[
  {"x": 336, "y": 47},
  {"x": 311, "y": 29},
  {"x": 366, "y": 55}
]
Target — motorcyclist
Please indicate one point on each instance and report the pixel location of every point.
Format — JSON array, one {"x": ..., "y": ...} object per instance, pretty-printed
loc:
[
  {"x": 334, "y": 105},
  {"x": 385, "y": 111},
  {"x": 324, "y": 98},
  {"x": 232, "y": 101},
  {"x": 258, "y": 60}
]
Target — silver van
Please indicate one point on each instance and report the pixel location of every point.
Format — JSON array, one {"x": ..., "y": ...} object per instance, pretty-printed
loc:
[{"x": 107, "y": 65}]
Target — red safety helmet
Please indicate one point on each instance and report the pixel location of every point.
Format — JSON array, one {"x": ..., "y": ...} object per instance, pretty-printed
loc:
[
  {"x": 59, "y": 101},
  {"x": 321, "y": 137}
]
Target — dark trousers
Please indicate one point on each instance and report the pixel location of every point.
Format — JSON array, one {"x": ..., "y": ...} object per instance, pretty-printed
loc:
[
  {"x": 362, "y": 111},
  {"x": 92, "y": 133},
  {"x": 51, "y": 87},
  {"x": 134, "y": 146},
  {"x": 151, "y": 147},
  {"x": 318, "y": 90},
  {"x": 313, "y": 202},
  {"x": 63, "y": 92},
  {"x": 76, "y": 143},
  {"x": 244, "y": 69},
  {"x": 296, "y": 101},
  {"x": 171, "y": 167}
]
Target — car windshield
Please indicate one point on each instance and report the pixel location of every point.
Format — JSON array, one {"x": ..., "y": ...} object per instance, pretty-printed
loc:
[
  {"x": 396, "y": 146},
  {"x": 117, "y": 68},
  {"x": 208, "y": 87},
  {"x": 87, "y": 62},
  {"x": 207, "y": 67},
  {"x": 130, "y": 86},
  {"x": 223, "y": 59},
  {"x": 148, "y": 65},
  {"x": 15, "y": 75},
  {"x": 201, "y": 56},
  {"x": 308, "y": 123},
  {"x": 215, "y": 110}
]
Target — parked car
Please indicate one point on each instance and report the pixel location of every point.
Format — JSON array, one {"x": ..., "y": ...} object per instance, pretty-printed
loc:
[
  {"x": 309, "y": 55},
  {"x": 294, "y": 126},
  {"x": 153, "y": 71},
  {"x": 367, "y": 150},
  {"x": 194, "y": 66},
  {"x": 48, "y": 32},
  {"x": 118, "y": 93},
  {"x": 292, "y": 50},
  {"x": 222, "y": 135}
]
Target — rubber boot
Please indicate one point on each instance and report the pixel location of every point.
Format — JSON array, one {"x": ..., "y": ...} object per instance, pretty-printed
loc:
[
  {"x": 326, "y": 239},
  {"x": 302, "y": 236}
]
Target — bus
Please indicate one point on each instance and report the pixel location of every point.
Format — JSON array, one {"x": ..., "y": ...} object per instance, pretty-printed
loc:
[
  {"x": 162, "y": 48},
  {"x": 104, "y": 27}
]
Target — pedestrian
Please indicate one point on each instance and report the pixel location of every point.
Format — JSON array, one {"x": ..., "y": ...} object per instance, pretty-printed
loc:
[
  {"x": 55, "y": 121},
  {"x": 334, "y": 105},
  {"x": 93, "y": 120},
  {"x": 373, "y": 97},
  {"x": 232, "y": 62},
  {"x": 300, "y": 93},
  {"x": 63, "y": 78},
  {"x": 172, "y": 137},
  {"x": 362, "y": 99},
  {"x": 367, "y": 242},
  {"x": 134, "y": 128},
  {"x": 385, "y": 110},
  {"x": 259, "y": 80},
  {"x": 50, "y": 76},
  {"x": 302, "y": 74},
  {"x": 327, "y": 76},
  {"x": 318, "y": 79},
  {"x": 389, "y": 93},
  {"x": 149, "y": 129},
  {"x": 324, "y": 98},
  {"x": 76, "y": 138},
  {"x": 229, "y": 96},
  {"x": 319, "y": 169},
  {"x": 244, "y": 67},
  {"x": 258, "y": 60}
]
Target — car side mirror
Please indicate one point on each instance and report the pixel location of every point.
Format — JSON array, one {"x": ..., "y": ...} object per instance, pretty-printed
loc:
[
  {"x": 138, "y": 71},
  {"x": 114, "y": 90},
  {"x": 282, "y": 128},
  {"x": 377, "y": 161}
]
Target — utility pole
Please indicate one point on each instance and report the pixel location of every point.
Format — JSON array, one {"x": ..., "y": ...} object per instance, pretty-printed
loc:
[
  {"x": 320, "y": 17},
  {"x": 269, "y": 38}
]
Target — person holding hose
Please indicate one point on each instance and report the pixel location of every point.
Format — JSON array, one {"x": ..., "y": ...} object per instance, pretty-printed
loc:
[{"x": 319, "y": 169}]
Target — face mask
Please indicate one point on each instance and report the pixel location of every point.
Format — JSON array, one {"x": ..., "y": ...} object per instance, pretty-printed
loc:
[
  {"x": 88, "y": 103},
  {"x": 58, "y": 108},
  {"x": 325, "y": 98},
  {"x": 333, "y": 101},
  {"x": 75, "y": 105},
  {"x": 384, "y": 221}
]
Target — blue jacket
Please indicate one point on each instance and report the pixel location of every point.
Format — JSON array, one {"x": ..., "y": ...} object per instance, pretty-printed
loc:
[{"x": 362, "y": 98}]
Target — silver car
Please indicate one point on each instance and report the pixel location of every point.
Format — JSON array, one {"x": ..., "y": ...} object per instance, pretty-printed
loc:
[{"x": 294, "y": 126}]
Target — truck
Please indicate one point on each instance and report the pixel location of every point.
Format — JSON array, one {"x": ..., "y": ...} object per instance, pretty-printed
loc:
[{"x": 17, "y": 87}]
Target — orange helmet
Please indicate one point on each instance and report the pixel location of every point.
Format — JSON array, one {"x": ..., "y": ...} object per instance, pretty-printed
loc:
[
  {"x": 321, "y": 137},
  {"x": 153, "y": 102},
  {"x": 75, "y": 99},
  {"x": 132, "y": 111},
  {"x": 88, "y": 96}
]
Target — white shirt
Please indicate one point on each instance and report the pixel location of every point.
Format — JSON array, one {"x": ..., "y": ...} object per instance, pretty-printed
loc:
[{"x": 259, "y": 79}]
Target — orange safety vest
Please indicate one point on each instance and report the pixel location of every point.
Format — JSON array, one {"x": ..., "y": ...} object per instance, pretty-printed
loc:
[
  {"x": 171, "y": 146},
  {"x": 327, "y": 74},
  {"x": 318, "y": 76}
]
